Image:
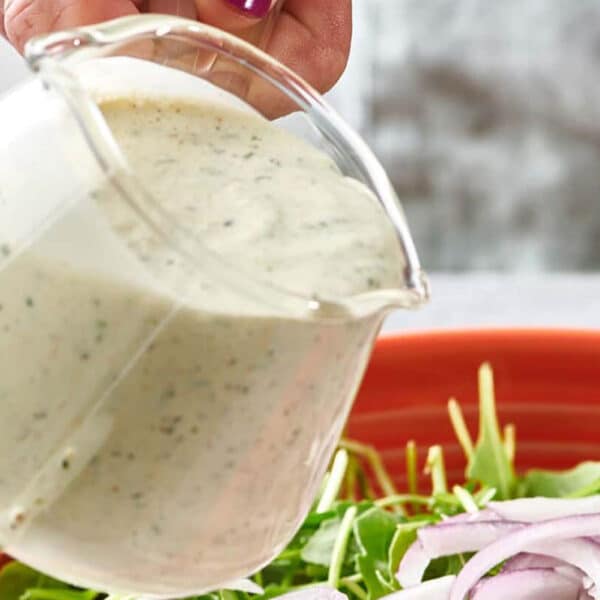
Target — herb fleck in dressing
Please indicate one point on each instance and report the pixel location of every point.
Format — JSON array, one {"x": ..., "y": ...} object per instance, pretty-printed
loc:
[{"x": 162, "y": 431}]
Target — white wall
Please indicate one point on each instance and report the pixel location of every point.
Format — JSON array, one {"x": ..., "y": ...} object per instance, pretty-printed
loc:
[{"x": 12, "y": 67}]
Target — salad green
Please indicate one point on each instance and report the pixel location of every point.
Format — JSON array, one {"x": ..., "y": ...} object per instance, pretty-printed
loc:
[{"x": 355, "y": 537}]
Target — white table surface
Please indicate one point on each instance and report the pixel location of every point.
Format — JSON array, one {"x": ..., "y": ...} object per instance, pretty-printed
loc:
[{"x": 505, "y": 300}]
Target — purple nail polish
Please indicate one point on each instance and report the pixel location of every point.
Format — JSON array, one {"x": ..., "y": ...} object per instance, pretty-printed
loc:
[{"x": 252, "y": 8}]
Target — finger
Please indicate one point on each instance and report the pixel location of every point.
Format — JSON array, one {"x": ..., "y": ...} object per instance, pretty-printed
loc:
[
  {"x": 2, "y": 29},
  {"x": 179, "y": 8},
  {"x": 24, "y": 19},
  {"x": 313, "y": 38},
  {"x": 232, "y": 15}
]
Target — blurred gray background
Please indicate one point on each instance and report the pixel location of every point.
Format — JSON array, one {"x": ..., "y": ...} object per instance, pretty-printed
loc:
[{"x": 487, "y": 118}]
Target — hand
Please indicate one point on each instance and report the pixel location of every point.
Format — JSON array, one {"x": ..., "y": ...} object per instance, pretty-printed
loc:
[{"x": 310, "y": 36}]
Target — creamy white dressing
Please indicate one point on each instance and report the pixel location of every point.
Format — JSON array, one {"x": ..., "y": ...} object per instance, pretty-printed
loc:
[{"x": 162, "y": 429}]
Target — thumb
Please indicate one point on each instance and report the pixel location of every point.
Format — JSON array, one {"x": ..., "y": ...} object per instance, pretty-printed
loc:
[
  {"x": 24, "y": 19},
  {"x": 233, "y": 15}
]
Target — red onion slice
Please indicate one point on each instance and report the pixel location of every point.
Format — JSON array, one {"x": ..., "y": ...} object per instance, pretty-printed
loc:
[
  {"x": 446, "y": 539},
  {"x": 436, "y": 589},
  {"x": 525, "y": 561},
  {"x": 453, "y": 538},
  {"x": 530, "y": 584},
  {"x": 582, "y": 555},
  {"x": 413, "y": 565},
  {"x": 534, "y": 510},
  {"x": 540, "y": 538},
  {"x": 528, "y": 560}
]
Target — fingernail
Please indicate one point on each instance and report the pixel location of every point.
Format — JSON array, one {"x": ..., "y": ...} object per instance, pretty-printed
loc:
[{"x": 252, "y": 8}]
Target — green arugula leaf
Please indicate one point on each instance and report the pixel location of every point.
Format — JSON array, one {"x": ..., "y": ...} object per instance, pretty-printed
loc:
[
  {"x": 315, "y": 519},
  {"x": 374, "y": 531},
  {"x": 372, "y": 578},
  {"x": 339, "y": 555},
  {"x": 272, "y": 591},
  {"x": 406, "y": 534},
  {"x": 16, "y": 579},
  {"x": 490, "y": 464},
  {"x": 583, "y": 480},
  {"x": 361, "y": 507},
  {"x": 319, "y": 547},
  {"x": 58, "y": 594},
  {"x": 447, "y": 565}
]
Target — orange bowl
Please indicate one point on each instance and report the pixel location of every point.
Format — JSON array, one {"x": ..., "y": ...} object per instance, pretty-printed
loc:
[{"x": 547, "y": 383}]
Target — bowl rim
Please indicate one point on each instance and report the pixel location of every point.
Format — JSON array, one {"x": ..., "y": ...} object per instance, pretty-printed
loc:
[
  {"x": 388, "y": 340},
  {"x": 542, "y": 356},
  {"x": 375, "y": 421}
]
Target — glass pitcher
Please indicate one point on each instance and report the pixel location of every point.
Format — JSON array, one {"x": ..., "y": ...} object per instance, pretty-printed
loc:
[{"x": 167, "y": 410}]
